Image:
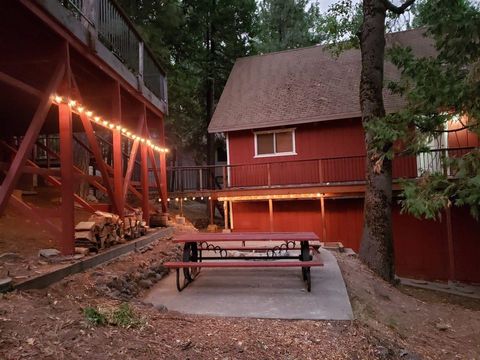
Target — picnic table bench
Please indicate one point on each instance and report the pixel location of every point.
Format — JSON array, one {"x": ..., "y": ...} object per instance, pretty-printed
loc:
[{"x": 274, "y": 255}]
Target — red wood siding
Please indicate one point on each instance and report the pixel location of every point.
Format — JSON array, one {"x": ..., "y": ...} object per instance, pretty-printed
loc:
[
  {"x": 421, "y": 249},
  {"x": 320, "y": 140},
  {"x": 251, "y": 216},
  {"x": 302, "y": 215},
  {"x": 344, "y": 221},
  {"x": 462, "y": 138},
  {"x": 466, "y": 242}
]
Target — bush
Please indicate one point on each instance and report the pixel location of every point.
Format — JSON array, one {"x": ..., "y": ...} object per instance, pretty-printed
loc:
[{"x": 123, "y": 316}]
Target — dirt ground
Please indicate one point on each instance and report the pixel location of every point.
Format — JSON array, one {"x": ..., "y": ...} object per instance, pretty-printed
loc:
[{"x": 391, "y": 323}]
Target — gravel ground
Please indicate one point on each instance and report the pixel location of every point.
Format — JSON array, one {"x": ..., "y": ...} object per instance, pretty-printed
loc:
[{"x": 391, "y": 323}]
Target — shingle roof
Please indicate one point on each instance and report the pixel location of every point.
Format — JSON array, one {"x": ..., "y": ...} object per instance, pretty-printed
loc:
[{"x": 302, "y": 86}]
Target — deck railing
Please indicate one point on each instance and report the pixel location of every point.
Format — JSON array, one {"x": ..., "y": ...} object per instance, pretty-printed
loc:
[
  {"x": 115, "y": 30},
  {"x": 322, "y": 171}
]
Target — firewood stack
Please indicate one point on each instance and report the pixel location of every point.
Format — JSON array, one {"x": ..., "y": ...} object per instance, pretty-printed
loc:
[
  {"x": 133, "y": 224},
  {"x": 104, "y": 229}
]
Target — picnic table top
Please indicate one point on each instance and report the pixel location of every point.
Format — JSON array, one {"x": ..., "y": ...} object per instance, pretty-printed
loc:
[{"x": 246, "y": 236}]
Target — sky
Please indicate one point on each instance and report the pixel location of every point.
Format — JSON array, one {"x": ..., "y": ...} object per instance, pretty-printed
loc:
[{"x": 324, "y": 4}]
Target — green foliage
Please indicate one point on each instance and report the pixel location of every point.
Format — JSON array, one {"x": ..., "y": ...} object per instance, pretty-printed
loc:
[
  {"x": 123, "y": 316},
  {"x": 94, "y": 316},
  {"x": 440, "y": 89},
  {"x": 428, "y": 196},
  {"x": 288, "y": 24},
  {"x": 342, "y": 24}
]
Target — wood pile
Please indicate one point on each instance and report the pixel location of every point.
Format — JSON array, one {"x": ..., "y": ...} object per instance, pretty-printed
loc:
[{"x": 104, "y": 229}]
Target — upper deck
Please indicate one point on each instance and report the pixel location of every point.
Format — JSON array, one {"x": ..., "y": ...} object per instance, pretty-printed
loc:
[{"x": 104, "y": 49}]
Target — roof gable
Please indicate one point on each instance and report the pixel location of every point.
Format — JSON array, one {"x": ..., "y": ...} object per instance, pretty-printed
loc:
[{"x": 302, "y": 86}]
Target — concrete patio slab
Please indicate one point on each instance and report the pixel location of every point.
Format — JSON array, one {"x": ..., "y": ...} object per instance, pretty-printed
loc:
[{"x": 260, "y": 293}]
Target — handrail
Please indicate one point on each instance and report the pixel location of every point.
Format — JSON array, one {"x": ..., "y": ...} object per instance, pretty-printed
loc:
[
  {"x": 116, "y": 31},
  {"x": 196, "y": 167},
  {"x": 331, "y": 170}
]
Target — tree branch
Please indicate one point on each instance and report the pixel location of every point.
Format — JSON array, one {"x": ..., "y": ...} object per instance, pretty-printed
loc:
[{"x": 398, "y": 9}]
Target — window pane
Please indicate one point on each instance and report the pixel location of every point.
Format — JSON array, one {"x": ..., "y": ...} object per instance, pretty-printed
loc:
[
  {"x": 264, "y": 144},
  {"x": 284, "y": 141}
]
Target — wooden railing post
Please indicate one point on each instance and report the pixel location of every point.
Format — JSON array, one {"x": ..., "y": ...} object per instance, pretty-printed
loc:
[
  {"x": 200, "y": 178},
  {"x": 224, "y": 174},
  {"x": 320, "y": 171},
  {"x": 140, "y": 62},
  {"x": 269, "y": 175}
]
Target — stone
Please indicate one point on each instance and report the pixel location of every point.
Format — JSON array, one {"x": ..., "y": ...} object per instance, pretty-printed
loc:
[
  {"x": 9, "y": 256},
  {"x": 442, "y": 326},
  {"x": 48, "y": 253},
  {"x": 144, "y": 283},
  {"x": 180, "y": 220},
  {"x": 82, "y": 250},
  {"x": 5, "y": 284},
  {"x": 212, "y": 228},
  {"x": 92, "y": 199}
]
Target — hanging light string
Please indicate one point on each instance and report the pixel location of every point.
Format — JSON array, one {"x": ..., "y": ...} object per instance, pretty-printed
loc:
[{"x": 80, "y": 109}]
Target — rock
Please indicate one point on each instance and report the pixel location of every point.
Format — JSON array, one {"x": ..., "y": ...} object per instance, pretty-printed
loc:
[
  {"x": 48, "y": 253},
  {"x": 78, "y": 256},
  {"x": 442, "y": 326},
  {"x": 212, "y": 228},
  {"x": 160, "y": 307},
  {"x": 92, "y": 199},
  {"x": 5, "y": 284},
  {"x": 9, "y": 256},
  {"x": 82, "y": 251},
  {"x": 180, "y": 220},
  {"x": 145, "y": 283}
]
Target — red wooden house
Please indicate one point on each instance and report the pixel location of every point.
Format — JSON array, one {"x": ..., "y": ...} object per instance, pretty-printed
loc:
[{"x": 296, "y": 158}]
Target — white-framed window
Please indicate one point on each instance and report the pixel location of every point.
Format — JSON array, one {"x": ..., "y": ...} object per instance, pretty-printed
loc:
[{"x": 275, "y": 143}]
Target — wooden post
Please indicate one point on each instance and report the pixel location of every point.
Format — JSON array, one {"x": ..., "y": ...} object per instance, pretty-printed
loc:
[
  {"x": 117, "y": 151},
  {"x": 225, "y": 180},
  {"x": 181, "y": 206},
  {"x": 212, "y": 211},
  {"x": 269, "y": 175},
  {"x": 67, "y": 240},
  {"x": 200, "y": 179},
  {"x": 320, "y": 171},
  {"x": 270, "y": 211},
  {"x": 144, "y": 183},
  {"x": 163, "y": 181},
  {"x": 324, "y": 224},
  {"x": 140, "y": 60},
  {"x": 231, "y": 215},
  {"x": 225, "y": 214}
]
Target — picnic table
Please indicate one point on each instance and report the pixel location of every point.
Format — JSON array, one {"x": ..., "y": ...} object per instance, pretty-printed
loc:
[{"x": 274, "y": 251}]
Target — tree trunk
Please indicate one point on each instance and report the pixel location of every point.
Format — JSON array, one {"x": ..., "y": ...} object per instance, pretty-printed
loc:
[{"x": 376, "y": 248}]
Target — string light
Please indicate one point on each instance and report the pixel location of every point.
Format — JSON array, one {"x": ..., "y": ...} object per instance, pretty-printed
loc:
[{"x": 79, "y": 108}]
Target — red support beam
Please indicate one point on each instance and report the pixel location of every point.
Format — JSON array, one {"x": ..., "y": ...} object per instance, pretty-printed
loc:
[
  {"x": 48, "y": 174},
  {"x": 117, "y": 150},
  {"x": 130, "y": 166},
  {"x": 9, "y": 80},
  {"x": 92, "y": 179},
  {"x": 160, "y": 176},
  {"x": 67, "y": 241},
  {"x": 163, "y": 181},
  {"x": 30, "y": 137},
  {"x": 109, "y": 170},
  {"x": 144, "y": 182}
]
